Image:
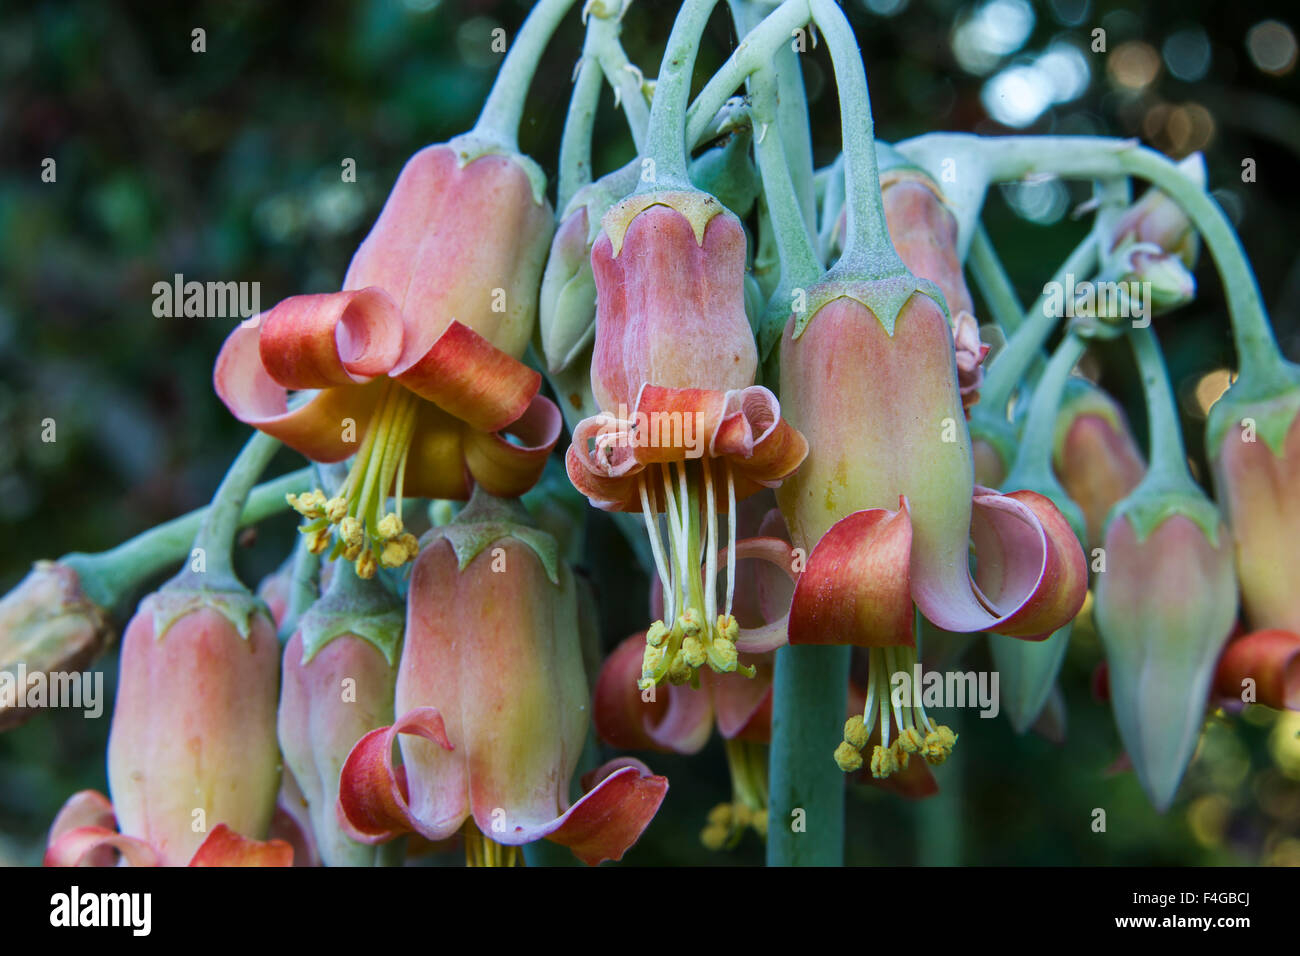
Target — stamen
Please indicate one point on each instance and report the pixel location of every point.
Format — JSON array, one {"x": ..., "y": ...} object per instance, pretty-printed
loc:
[
  {"x": 731, "y": 535},
  {"x": 711, "y": 552},
  {"x": 656, "y": 548}
]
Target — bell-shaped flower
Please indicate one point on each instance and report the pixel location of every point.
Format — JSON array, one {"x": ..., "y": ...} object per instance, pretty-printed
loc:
[
  {"x": 682, "y": 431},
  {"x": 493, "y": 706},
  {"x": 193, "y": 765},
  {"x": 886, "y": 506},
  {"x": 413, "y": 368},
  {"x": 340, "y": 667},
  {"x": 1095, "y": 456}
]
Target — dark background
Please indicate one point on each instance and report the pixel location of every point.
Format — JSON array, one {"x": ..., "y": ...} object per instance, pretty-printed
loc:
[{"x": 225, "y": 165}]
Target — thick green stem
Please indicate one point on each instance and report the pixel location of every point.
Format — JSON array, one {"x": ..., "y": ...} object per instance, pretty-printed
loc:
[
  {"x": 806, "y": 788},
  {"x": 868, "y": 251},
  {"x": 1033, "y": 465},
  {"x": 994, "y": 283},
  {"x": 110, "y": 576},
  {"x": 752, "y": 53},
  {"x": 504, "y": 108},
  {"x": 625, "y": 79},
  {"x": 666, "y": 139},
  {"x": 1006, "y": 158},
  {"x": 1168, "y": 458},
  {"x": 216, "y": 535},
  {"x": 575, "y": 143},
  {"x": 1024, "y": 348}
]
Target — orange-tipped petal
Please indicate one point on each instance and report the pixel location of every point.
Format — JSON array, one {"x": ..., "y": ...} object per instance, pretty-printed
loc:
[
  {"x": 1029, "y": 565},
  {"x": 317, "y": 428},
  {"x": 1271, "y": 659},
  {"x": 856, "y": 588},
  {"x": 92, "y": 846},
  {"x": 225, "y": 847},
  {"x": 340, "y": 338},
  {"x": 609, "y": 818},
  {"x": 373, "y": 804},
  {"x": 466, "y": 375},
  {"x": 508, "y": 469}
]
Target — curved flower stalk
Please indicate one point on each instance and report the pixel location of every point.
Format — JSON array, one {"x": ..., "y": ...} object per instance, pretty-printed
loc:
[
  {"x": 340, "y": 667},
  {"x": 492, "y": 704},
  {"x": 1167, "y": 601}
]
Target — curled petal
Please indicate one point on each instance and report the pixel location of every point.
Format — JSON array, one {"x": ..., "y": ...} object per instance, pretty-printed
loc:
[
  {"x": 373, "y": 805},
  {"x": 225, "y": 847},
  {"x": 743, "y": 706},
  {"x": 776, "y": 552},
  {"x": 340, "y": 338},
  {"x": 673, "y": 718},
  {"x": 466, "y": 375},
  {"x": 316, "y": 427},
  {"x": 608, "y": 819},
  {"x": 1269, "y": 658},
  {"x": 1030, "y": 573},
  {"x": 508, "y": 469},
  {"x": 85, "y": 834},
  {"x": 856, "y": 588}
]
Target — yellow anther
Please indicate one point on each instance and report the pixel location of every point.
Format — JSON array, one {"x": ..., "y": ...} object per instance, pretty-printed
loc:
[
  {"x": 899, "y": 753},
  {"x": 759, "y": 821},
  {"x": 714, "y": 837},
  {"x": 352, "y": 532},
  {"x": 393, "y": 555},
  {"x": 722, "y": 655},
  {"x": 652, "y": 660},
  {"x": 728, "y": 627},
  {"x": 657, "y": 634},
  {"x": 352, "y": 552},
  {"x": 743, "y": 815},
  {"x": 693, "y": 652},
  {"x": 691, "y": 622},
  {"x": 855, "y": 731},
  {"x": 318, "y": 541},
  {"x": 938, "y": 744},
  {"x": 847, "y": 757},
  {"x": 910, "y": 741},
  {"x": 309, "y": 504},
  {"x": 411, "y": 543},
  {"x": 720, "y": 815},
  {"x": 679, "y": 672},
  {"x": 882, "y": 762},
  {"x": 366, "y": 564},
  {"x": 390, "y": 526},
  {"x": 336, "y": 509}
]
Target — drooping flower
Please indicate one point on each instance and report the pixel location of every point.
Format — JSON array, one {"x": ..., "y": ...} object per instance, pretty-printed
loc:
[
  {"x": 413, "y": 368},
  {"x": 887, "y": 506},
  {"x": 1261, "y": 667},
  {"x": 493, "y": 707},
  {"x": 193, "y": 765},
  {"x": 683, "y": 431}
]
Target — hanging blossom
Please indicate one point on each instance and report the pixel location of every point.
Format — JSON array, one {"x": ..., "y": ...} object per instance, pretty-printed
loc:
[
  {"x": 416, "y": 358},
  {"x": 682, "y": 431}
]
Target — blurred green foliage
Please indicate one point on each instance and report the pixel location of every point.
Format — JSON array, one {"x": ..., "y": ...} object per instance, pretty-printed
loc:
[{"x": 225, "y": 165}]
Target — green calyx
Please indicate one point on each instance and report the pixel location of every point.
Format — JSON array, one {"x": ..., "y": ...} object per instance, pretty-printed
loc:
[
  {"x": 1083, "y": 398},
  {"x": 884, "y": 297},
  {"x": 487, "y": 519},
  {"x": 471, "y": 146},
  {"x": 358, "y": 607},
  {"x": 1150, "y": 506},
  {"x": 174, "y": 602},
  {"x": 1268, "y": 398}
]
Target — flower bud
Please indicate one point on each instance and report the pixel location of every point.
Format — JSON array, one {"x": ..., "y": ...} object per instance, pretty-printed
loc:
[
  {"x": 192, "y": 744},
  {"x": 47, "y": 624}
]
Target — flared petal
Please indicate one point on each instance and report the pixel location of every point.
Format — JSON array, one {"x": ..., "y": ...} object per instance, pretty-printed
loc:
[
  {"x": 466, "y": 375},
  {"x": 373, "y": 805},
  {"x": 674, "y": 719},
  {"x": 318, "y": 428},
  {"x": 1269, "y": 659},
  {"x": 856, "y": 588},
  {"x": 225, "y": 847},
  {"x": 609, "y": 818},
  {"x": 94, "y": 846},
  {"x": 507, "y": 469},
  {"x": 776, "y": 552},
  {"x": 1030, "y": 573},
  {"x": 339, "y": 338},
  {"x": 742, "y": 706}
]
